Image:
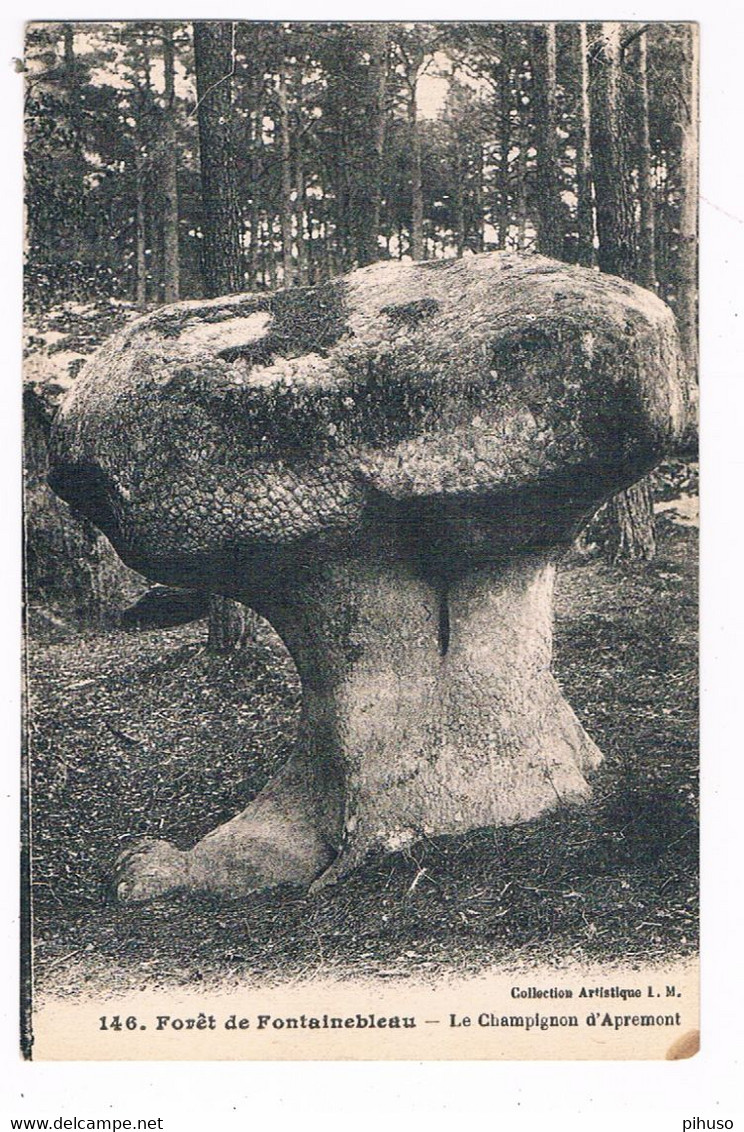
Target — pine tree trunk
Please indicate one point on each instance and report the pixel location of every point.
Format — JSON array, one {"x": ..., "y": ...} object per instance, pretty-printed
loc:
[
  {"x": 254, "y": 255},
  {"x": 285, "y": 205},
  {"x": 504, "y": 215},
  {"x": 521, "y": 188},
  {"x": 320, "y": 241},
  {"x": 584, "y": 204},
  {"x": 271, "y": 273},
  {"x": 254, "y": 259},
  {"x": 417, "y": 197},
  {"x": 647, "y": 249},
  {"x": 617, "y": 252},
  {"x": 629, "y": 528},
  {"x": 458, "y": 202},
  {"x": 480, "y": 219},
  {"x": 630, "y": 535},
  {"x": 299, "y": 211},
  {"x": 72, "y": 86},
  {"x": 222, "y": 249},
  {"x": 140, "y": 265},
  {"x": 341, "y": 243},
  {"x": 686, "y": 305},
  {"x": 169, "y": 176},
  {"x": 227, "y": 625},
  {"x": 155, "y": 257},
  {"x": 549, "y": 234},
  {"x": 378, "y": 77}
]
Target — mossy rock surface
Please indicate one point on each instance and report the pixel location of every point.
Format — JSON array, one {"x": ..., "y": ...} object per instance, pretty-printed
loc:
[{"x": 508, "y": 386}]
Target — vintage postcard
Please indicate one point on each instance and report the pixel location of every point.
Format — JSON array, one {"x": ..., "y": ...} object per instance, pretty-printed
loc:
[{"x": 360, "y": 422}]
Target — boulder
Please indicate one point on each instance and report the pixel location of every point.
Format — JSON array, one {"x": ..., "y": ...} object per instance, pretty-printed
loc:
[{"x": 387, "y": 468}]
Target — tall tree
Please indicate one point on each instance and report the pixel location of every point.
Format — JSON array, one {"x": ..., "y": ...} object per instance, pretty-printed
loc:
[
  {"x": 457, "y": 112},
  {"x": 505, "y": 139},
  {"x": 379, "y": 65},
  {"x": 413, "y": 48},
  {"x": 647, "y": 248},
  {"x": 521, "y": 164},
  {"x": 549, "y": 233},
  {"x": 254, "y": 109},
  {"x": 629, "y": 520},
  {"x": 285, "y": 202},
  {"x": 584, "y": 203},
  {"x": 686, "y": 303},
  {"x": 169, "y": 174},
  {"x": 459, "y": 200},
  {"x": 138, "y": 66},
  {"x": 300, "y": 212},
  {"x": 77, "y": 162},
  {"x": 214, "y": 58},
  {"x": 617, "y": 252},
  {"x": 140, "y": 224}
]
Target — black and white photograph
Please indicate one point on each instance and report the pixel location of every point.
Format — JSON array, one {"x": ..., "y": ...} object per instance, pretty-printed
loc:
[{"x": 360, "y": 418}]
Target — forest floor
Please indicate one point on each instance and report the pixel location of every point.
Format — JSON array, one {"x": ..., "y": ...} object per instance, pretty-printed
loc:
[{"x": 147, "y": 733}]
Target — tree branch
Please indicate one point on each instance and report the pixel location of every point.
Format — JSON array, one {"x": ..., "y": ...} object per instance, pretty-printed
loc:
[{"x": 634, "y": 35}]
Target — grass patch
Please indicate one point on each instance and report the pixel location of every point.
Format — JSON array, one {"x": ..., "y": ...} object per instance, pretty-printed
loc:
[{"x": 148, "y": 734}]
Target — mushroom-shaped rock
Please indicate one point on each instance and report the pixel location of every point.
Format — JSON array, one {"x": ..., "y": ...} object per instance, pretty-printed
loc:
[{"x": 386, "y": 467}]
